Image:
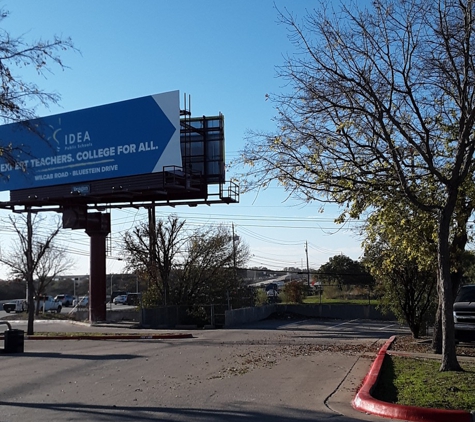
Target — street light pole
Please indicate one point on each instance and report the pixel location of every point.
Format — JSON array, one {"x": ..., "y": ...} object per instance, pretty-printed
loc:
[
  {"x": 74, "y": 287},
  {"x": 110, "y": 299}
]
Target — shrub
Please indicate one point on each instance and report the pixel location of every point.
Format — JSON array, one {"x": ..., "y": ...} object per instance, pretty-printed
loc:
[
  {"x": 151, "y": 297},
  {"x": 261, "y": 297},
  {"x": 294, "y": 292}
]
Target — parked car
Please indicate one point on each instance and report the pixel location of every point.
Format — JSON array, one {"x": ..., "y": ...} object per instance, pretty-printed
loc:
[
  {"x": 464, "y": 313},
  {"x": 66, "y": 300},
  {"x": 316, "y": 288},
  {"x": 117, "y": 293},
  {"x": 272, "y": 290},
  {"x": 81, "y": 301},
  {"x": 133, "y": 299},
  {"x": 48, "y": 304},
  {"x": 18, "y": 305},
  {"x": 120, "y": 300}
]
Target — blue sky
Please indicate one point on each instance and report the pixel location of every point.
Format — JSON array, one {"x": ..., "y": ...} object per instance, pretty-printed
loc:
[{"x": 224, "y": 55}]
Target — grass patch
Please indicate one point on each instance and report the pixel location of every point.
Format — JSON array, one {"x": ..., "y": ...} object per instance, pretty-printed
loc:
[{"x": 418, "y": 382}]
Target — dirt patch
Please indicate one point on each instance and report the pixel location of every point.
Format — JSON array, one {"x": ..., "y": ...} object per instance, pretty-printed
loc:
[{"x": 424, "y": 345}]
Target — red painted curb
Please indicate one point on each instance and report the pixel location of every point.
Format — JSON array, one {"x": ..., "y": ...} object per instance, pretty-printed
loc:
[
  {"x": 110, "y": 337},
  {"x": 364, "y": 402}
]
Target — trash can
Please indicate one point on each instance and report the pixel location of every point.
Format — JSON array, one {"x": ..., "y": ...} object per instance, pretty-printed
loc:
[{"x": 14, "y": 341}]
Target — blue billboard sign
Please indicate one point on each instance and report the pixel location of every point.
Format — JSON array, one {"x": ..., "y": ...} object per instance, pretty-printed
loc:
[{"x": 127, "y": 138}]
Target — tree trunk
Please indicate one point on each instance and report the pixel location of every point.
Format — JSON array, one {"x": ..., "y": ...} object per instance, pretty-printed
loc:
[
  {"x": 437, "y": 334},
  {"x": 449, "y": 355},
  {"x": 457, "y": 249},
  {"x": 415, "y": 330}
]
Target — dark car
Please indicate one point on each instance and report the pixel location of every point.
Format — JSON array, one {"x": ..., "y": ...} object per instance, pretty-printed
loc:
[
  {"x": 464, "y": 313},
  {"x": 134, "y": 299}
]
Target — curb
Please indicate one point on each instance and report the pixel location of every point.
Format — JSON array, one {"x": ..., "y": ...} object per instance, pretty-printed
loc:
[
  {"x": 365, "y": 402},
  {"x": 109, "y": 337}
]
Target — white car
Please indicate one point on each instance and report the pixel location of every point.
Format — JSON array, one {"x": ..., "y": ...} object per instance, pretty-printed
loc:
[
  {"x": 82, "y": 301},
  {"x": 121, "y": 299},
  {"x": 18, "y": 305}
]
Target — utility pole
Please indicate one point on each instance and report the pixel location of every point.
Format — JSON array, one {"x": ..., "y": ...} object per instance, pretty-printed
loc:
[
  {"x": 308, "y": 269},
  {"x": 234, "y": 263},
  {"x": 29, "y": 272},
  {"x": 234, "y": 250}
]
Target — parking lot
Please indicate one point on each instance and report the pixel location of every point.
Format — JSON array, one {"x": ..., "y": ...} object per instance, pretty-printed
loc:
[{"x": 273, "y": 370}]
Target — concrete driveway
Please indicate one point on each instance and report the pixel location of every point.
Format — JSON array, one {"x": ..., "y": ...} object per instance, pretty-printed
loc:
[{"x": 271, "y": 371}]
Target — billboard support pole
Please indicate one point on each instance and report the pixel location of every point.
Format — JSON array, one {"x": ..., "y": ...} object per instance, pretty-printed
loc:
[{"x": 98, "y": 227}]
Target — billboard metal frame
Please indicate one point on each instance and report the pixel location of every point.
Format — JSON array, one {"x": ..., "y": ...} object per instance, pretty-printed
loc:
[{"x": 201, "y": 180}]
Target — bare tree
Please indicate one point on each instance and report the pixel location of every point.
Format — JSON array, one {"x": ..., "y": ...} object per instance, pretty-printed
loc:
[
  {"x": 35, "y": 254},
  {"x": 18, "y": 97},
  {"x": 55, "y": 261},
  {"x": 185, "y": 266},
  {"x": 208, "y": 271},
  {"x": 152, "y": 251},
  {"x": 382, "y": 106}
]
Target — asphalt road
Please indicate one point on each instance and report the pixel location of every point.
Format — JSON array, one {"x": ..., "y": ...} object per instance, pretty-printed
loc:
[{"x": 271, "y": 371}]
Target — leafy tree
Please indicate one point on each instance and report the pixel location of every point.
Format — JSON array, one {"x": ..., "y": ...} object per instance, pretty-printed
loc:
[
  {"x": 410, "y": 293},
  {"x": 403, "y": 226},
  {"x": 48, "y": 260},
  {"x": 382, "y": 107},
  {"x": 400, "y": 252},
  {"x": 469, "y": 268},
  {"x": 344, "y": 271}
]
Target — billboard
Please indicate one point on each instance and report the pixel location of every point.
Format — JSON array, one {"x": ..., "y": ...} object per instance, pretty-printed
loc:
[{"x": 127, "y": 138}]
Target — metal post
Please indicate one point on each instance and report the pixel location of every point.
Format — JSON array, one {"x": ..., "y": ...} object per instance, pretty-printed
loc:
[
  {"x": 110, "y": 300},
  {"x": 98, "y": 227},
  {"x": 29, "y": 270},
  {"x": 308, "y": 269}
]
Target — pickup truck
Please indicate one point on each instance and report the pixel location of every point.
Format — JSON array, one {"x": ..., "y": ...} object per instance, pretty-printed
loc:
[
  {"x": 464, "y": 313},
  {"x": 49, "y": 304},
  {"x": 17, "y": 305}
]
